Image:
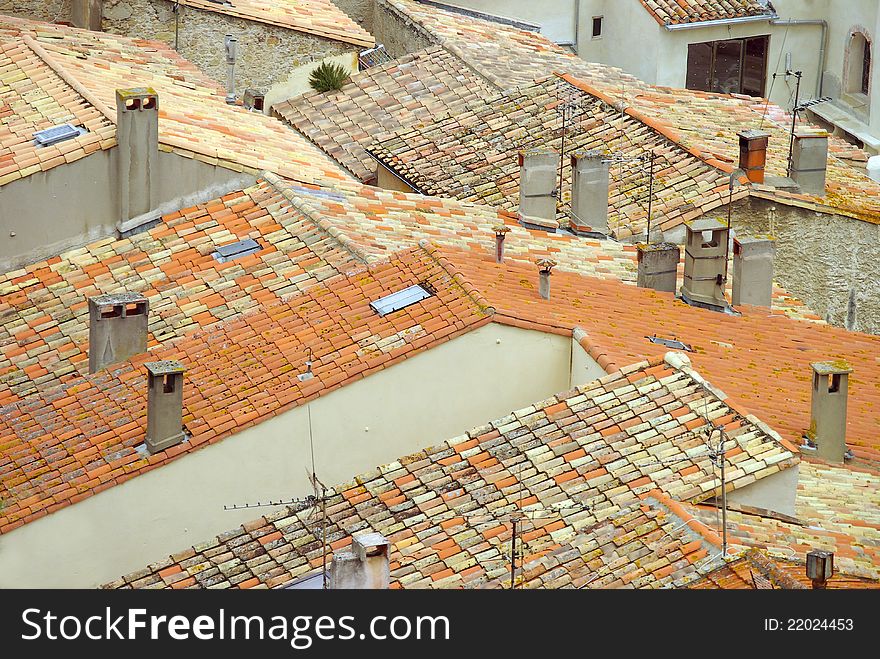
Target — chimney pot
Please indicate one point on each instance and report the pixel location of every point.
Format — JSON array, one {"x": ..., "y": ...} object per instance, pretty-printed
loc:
[
  {"x": 500, "y": 234},
  {"x": 364, "y": 567},
  {"x": 230, "y": 44},
  {"x": 164, "y": 404},
  {"x": 658, "y": 266},
  {"x": 820, "y": 567},
  {"x": 705, "y": 264},
  {"x": 589, "y": 193},
  {"x": 137, "y": 172},
  {"x": 537, "y": 183},
  {"x": 753, "y": 270},
  {"x": 118, "y": 326},
  {"x": 828, "y": 409},
  {"x": 809, "y": 161},
  {"x": 753, "y": 153},
  {"x": 544, "y": 268}
]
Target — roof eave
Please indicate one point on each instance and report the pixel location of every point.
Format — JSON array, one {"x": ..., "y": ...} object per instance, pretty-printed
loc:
[{"x": 721, "y": 21}]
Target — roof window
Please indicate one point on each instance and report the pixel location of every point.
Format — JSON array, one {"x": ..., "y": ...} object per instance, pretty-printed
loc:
[
  {"x": 399, "y": 300},
  {"x": 232, "y": 251},
  {"x": 673, "y": 343},
  {"x": 56, "y": 134}
]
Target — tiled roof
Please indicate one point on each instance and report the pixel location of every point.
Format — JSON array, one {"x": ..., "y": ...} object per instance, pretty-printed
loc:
[
  {"x": 707, "y": 124},
  {"x": 596, "y": 473},
  {"x": 62, "y": 445},
  {"x": 44, "y": 310},
  {"x": 838, "y": 509},
  {"x": 676, "y": 12},
  {"x": 194, "y": 119},
  {"x": 33, "y": 98},
  {"x": 762, "y": 359},
  {"x": 407, "y": 91},
  {"x": 472, "y": 155},
  {"x": 320, "y": 17}
]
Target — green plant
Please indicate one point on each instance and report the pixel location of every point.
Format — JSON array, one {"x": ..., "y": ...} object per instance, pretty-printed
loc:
[{"x": 327, "y": 77}]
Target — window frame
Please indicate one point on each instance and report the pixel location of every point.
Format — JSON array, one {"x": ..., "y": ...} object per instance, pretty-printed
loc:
[{"x": 601, "y": 20}]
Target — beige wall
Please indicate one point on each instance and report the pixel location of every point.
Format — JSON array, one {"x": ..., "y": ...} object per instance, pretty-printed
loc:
[
  {"x": 417, "y": 403},
  {"x": 297, "y": 82},
  {"x": 74, "y": 204},
  {"x": 583, "y": 367},
  {"x": 388, "y": 180},
  {"x": 777, "y": 492},
  {"x": 266, "y": 54}
]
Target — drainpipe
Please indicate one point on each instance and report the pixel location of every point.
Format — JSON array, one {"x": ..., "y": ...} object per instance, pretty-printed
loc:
[
  {"x": 810, "y": 21},
  {"x": 577, "y": 26}
]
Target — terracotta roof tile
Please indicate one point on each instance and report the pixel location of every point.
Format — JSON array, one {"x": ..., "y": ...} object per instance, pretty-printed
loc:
[
  {"x": 68, "y": 442},
  {"x": 582, "y": 531},
  {"x": 677, "y": 12},
  {"x": 319, "y": 17},
  {"x": 405, "y": 92}
]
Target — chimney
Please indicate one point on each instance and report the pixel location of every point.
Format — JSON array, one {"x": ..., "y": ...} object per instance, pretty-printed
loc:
[
  {"x": 753, "y": 270},
  {"x": 544, "y": 268},
  {"x": 364, "y": 567},
  {"x": 705, "y": 264},
  {"x": 820, "y": 568},
  {"x": 537, "y": 184},
  {"x": 658, "y": 266},
  {"x": 164, "y": 405},
  {"x": 500, "y": 234},
  {"x": 230, "y": 43},
  {"x": 828, "y": 409},
  {"x": 137, "y": 159},
  {"x": 589, "y": 193},
  {"x": 809, "y": 160},
  {"x": 753, "y": 153},
  {"x": 117, "y": 328},
  {"x": 254, "y": 99}
]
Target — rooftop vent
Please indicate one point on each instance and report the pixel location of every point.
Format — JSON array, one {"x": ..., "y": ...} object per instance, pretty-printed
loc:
[
  {"x": 364, "y": 567},
  {"x": 820, "y": 567},
  {"x": 164, "y": 405},
  {"x": 673, "y": 343},
  {"x": 56, "y": 134},
  {"x": 232, "y": 251},
  {"x": 544, "y": 268},
  {"x": 397, "y": 301},
  {"x": 118, "y": 327}
]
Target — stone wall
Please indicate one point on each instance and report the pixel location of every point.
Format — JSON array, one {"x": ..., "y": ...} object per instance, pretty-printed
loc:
[
  {"x": 361, "y": 11},
  {"x": 828, "y": 261},
  {"x": 42, "y": 10},
  {"x": 399, "y": 34},
  {"x": 266, "y": 54}
]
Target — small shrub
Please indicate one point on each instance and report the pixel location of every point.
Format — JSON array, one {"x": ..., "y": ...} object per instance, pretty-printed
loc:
[{"x": 328, "y": 77}]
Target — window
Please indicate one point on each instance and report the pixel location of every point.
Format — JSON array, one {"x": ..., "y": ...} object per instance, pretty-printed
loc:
[
  {"x": 857, "y": 67},
  {"x": 597, "y": 26},
  {"x": 866, "y": 67},
  {"x": 732, "y": 66}
]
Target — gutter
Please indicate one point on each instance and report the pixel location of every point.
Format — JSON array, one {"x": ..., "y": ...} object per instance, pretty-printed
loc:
[
  {"x": 816, "y": 21},
  {"x": 722, "y": 21}
]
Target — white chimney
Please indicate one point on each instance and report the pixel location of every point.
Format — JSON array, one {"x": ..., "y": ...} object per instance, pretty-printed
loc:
[
  {"x": 164, "y": 404},
  {"x": 118, "y": 326},
  {"x": 658, "y": 266},
  {"x": 137, "y": 155},
  {"x": 364, "y": 567},
  {"x": 589, "y": 193},
  {"x": 828, "y": 409},
  {"x": 753, "y": 270},
  {"x": 705, "y": 263},
  {"x": 809, "y": 161},
  {"x": 537, "y": 184}
]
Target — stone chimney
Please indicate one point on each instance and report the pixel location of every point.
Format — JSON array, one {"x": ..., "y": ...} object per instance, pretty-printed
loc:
[
  {"x": 753, "y": 270},
  {"x": 164, "y": 405},
  {"x": 820, "y": 568},
  {"x": 118, "y": 325},
  {"x": 538, "y": 169},
  {"x": 544, "y": 268},
  {"x": 501, "y": 232},
  {"x": 705, "y": 258},
  {"x": 753, "y": 153},
  {"x": 828, "y": 409},
  {"x": 363, "y": 567},
  {"x": 809, "y": 161},
  {"x": 137, "y": 155},
  {"x": 589, "y": 193},
  {"x": 658, "y": 266}
]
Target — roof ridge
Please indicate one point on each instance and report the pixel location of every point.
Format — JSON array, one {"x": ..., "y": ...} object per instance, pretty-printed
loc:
[
  {"x": 677, "y": 509},
  {"x": 457, "y": 276},
  {"x": 281, "y": 185},
  {"x": 68, "y": 77}
]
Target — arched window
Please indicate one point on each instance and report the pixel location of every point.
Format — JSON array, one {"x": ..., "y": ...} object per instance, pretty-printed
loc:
[{"x": 858, "y": 73}]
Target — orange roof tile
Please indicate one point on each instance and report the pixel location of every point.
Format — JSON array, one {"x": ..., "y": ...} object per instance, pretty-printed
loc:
[
  {"x": 449, "y": 525},
  {"x": 677, "y": 12},
  {"x": 66, "y": 443},
  {"x": 320, "y": 17}
]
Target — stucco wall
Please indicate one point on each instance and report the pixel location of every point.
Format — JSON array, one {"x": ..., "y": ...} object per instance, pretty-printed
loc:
[
  {"x": 829, "y": 261},
  {"x": 417, "y": 403},
  {"x": 583, "y": 367},
  {"x": 266, "y": 54},
  {"x": 76, "y": 203},
  {"x": 777, "y": 492},
  {"x": 399, "y": 34},
  {"x": 297, "y": 82},
  {"x": 41, "y": 10}
]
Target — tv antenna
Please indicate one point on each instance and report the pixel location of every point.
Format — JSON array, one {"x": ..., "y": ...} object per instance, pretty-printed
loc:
[{"x": 797, "y": 107}]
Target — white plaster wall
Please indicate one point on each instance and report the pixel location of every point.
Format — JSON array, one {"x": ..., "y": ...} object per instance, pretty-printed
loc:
[
  {"x": 417, "y": 403},
  {"x": 297, "y": 82},
  {"x": 777, "y": 492},
  {"x": 630, "y": 39},
  {"x": 583, "y": 367},
  {"x": 556, "y": 17}
]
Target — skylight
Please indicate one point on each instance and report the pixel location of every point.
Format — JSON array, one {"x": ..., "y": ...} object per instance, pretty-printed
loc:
[
  {"x": 397, "y": 301},
  {"x": 675, "y": 344},
  {"x": 231, "y": 251},
  {"x": 49, "y": 136}
]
